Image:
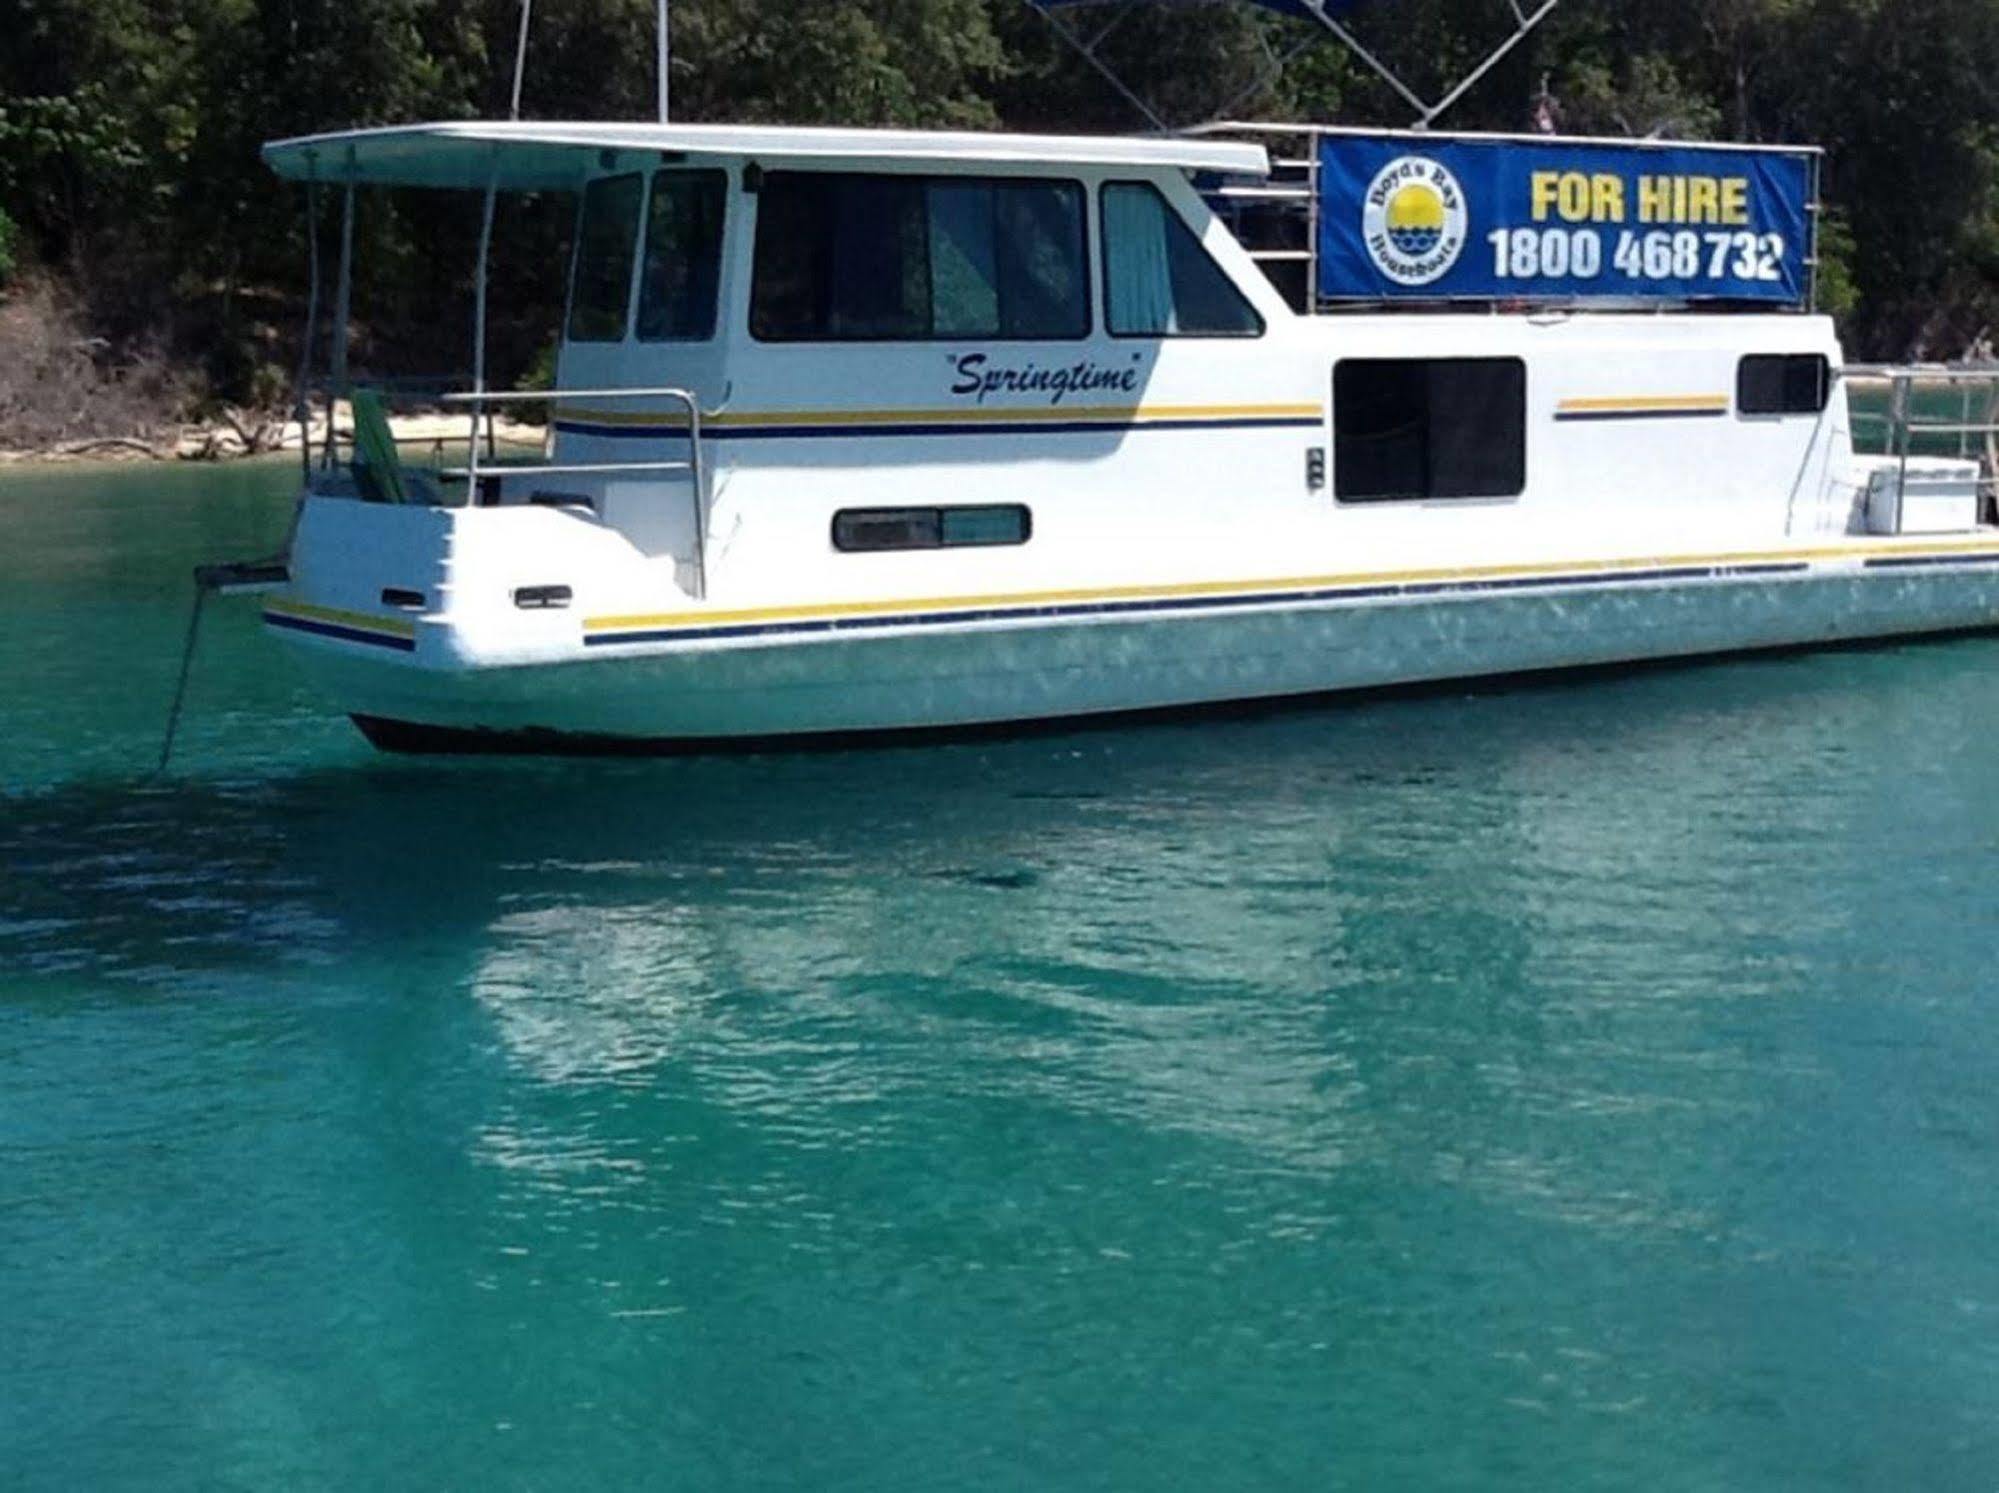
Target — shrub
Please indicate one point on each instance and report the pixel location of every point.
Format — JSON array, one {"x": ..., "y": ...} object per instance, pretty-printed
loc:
[{"x": 9, "y": 237}]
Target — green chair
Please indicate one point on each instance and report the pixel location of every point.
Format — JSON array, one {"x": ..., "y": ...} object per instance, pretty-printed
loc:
[{"x": 378, "y": 469}]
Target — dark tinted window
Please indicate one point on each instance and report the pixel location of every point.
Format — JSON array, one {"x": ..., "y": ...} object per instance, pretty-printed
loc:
[
  {"x": 1429, "y": 428},
  {"x": 1158, "y": 280},
  {"x": 604, "y": 249},
  {"x": 1783, "y": 384},
  {"x": 844, "y": 257},
  {"x": 930, "y": 528},
  {"x": 683, "y": 256}
]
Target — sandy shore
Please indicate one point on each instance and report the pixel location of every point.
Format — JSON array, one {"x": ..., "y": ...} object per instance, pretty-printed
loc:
[{"x": 239, "y": 436}]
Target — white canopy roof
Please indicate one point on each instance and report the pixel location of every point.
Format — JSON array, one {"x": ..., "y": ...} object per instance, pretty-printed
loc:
[{"x": 536, "y": 155}]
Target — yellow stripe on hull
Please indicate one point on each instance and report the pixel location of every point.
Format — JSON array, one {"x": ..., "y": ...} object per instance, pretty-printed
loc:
[
  {"x": 1648, "y": 404},
  {"x": 836, "y": 419},
  {"x": 392, "y": 627}
]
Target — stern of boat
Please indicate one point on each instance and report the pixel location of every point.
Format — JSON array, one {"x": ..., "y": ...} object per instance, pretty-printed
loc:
[{"x": 390, "y": 605}]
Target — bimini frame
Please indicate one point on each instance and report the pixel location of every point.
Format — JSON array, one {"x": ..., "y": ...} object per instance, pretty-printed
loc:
[
  {"x": 341, "y": 164},
  {"x": 1327, "y": 14},
  {"x": 337, "y": 382}
]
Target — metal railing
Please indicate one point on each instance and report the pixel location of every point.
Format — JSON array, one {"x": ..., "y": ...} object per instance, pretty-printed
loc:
[
  {"x": 1266, "y": 219},
  {"x": 481, "y": 406},
  {"x": 1277, "y": 221},
  {"x": 1904, "y": 423}
]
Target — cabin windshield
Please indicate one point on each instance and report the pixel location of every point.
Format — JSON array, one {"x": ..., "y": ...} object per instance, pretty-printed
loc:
[
  {"x": 679, "y": 270},
  {"x": 601, "y": 299}
]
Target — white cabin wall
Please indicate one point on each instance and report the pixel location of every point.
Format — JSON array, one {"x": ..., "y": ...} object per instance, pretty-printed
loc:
[
  {"x": 1134, "y": 501},
  {"x": 632, "y": 364},
  {"x": 1608, "y": 487},
  {"x": 1145, "y": 505}
]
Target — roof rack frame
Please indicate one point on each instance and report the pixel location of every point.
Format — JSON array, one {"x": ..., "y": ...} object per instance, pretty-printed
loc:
[{"x": 1427, "y": 112}]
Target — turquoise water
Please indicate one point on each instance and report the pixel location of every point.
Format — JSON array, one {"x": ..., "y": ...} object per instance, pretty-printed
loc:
[{"x": 1583, "y": 1086}]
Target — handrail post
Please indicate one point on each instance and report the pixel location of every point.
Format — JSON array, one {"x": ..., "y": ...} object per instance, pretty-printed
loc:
[
  {"x": 698, "y": 471},
  {"x": 343, "y": 311},
  {"x": 1899, "y": 412},
  {"x": 302, "y": 408},
  {"x": 479, "y": 333}
]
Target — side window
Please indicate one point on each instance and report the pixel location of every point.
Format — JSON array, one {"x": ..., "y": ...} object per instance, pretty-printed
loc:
[
  {"x": 604, "y": 247},
  {"x": 851, "y": 258},
  {"x": 682, "y": 266},
  {"x": 1429, "y": 428},
  {"x": 862, "y": 529},
  {"x": 1158, "y": 280},
  {"x": 1782, "y": 384}
]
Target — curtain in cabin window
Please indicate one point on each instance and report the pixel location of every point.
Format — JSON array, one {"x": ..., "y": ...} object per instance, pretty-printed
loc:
[
  {"x": 1138, "y": 270},
  {"x": 852, "y": 257},
  {"x": 964, "y": 269}
]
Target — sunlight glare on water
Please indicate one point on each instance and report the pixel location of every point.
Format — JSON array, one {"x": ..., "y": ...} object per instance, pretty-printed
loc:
[{"x": 1582, "y": 1086}]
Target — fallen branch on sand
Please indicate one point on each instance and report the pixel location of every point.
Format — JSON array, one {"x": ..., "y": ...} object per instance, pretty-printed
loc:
[{"x": 101, "y": 444}]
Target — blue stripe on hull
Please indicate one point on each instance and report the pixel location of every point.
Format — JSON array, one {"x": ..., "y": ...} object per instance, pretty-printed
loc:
[
  {"x": 1579, "y": 416},
  {"x": 1914, "y": 562}
]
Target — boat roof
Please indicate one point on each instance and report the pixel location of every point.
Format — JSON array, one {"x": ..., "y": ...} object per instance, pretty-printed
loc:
[
  {"x": 537, "y": 155},
  {"x": 1275, "y": 130}
]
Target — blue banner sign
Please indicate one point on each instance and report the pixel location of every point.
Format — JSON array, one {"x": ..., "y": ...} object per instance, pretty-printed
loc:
[{"x": 1410, "y": 217}]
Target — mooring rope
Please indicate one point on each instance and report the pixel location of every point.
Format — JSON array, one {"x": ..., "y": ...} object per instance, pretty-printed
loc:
[{"x": 201, "y": 590}]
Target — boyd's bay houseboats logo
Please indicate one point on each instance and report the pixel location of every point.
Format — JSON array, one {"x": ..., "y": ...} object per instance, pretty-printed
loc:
[{"x": 1413, "y": 220}]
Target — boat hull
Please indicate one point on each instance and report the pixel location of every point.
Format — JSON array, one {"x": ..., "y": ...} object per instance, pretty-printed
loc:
[{"x": 954, "y": 676}]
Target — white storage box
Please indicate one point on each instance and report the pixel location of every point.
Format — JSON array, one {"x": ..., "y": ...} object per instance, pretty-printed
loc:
[{"x": 1935, "y": 497}]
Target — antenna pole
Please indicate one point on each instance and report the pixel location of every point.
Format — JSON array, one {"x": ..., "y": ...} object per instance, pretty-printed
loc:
[
  {"x": 520, "y": 58},
  {"x": 664, "y": 48}
]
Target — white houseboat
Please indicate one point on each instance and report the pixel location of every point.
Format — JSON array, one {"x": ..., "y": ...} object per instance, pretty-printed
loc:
[{"x": 865, "y": 432}]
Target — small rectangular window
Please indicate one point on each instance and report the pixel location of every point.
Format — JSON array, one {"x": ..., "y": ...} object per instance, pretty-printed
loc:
[
  {"x": 844, "y": 257},
  {"x": 606, "y": 241},
  {"x": 1158, "y": 280},
  {"x": 682, "y": 266},
  {"x": 859, "y": 529},
  {"x": 1782, "y": 384},
  {"x": 1429, "y": 428}
]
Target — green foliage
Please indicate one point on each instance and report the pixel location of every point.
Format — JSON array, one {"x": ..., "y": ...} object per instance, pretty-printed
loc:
[
  {"x": 64, "y": 151},
  {"x": 129, "y": 129},
  {"x": 1839, "y": 294},
  {"x": 9, "y": 252},
  {"x": 1640, "y": 96},
  {"x": 540, "y": 373}
]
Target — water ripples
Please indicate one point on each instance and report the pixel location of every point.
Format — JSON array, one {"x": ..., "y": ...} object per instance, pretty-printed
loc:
[{"x": 1570, "y": 1080}]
